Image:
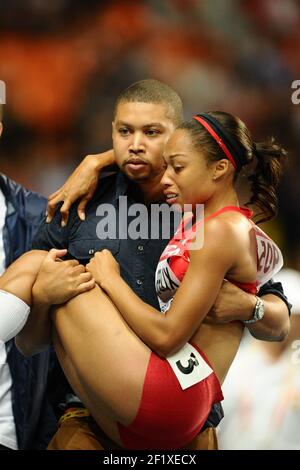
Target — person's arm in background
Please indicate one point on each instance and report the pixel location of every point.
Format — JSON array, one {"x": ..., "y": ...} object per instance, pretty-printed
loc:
[
  {"x": 81, "y": 184},
  {"x": 26, "y": 213},
  {"x": 233, "y": 303}
]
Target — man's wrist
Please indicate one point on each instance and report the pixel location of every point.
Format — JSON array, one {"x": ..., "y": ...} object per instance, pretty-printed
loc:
[
  {"x": 104, "y": 159},
  {"x": 248, "y": 308},
  {"x": 258, "y": 312}
]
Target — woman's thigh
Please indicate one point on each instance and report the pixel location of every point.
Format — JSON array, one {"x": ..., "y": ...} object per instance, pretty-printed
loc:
[{"x": 109, "y": 359}]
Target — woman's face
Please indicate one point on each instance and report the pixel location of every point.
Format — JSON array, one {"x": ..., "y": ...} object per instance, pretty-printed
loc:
[{"x": 188, "y": 178}]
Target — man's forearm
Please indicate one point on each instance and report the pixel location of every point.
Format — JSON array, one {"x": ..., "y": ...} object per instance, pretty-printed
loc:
[
  {"x": 275, "y": 324},
  {"x": 233, "y": 303}
]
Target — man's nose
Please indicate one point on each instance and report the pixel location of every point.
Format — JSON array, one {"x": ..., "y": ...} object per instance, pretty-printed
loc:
[{"x": 137, "y": 143}]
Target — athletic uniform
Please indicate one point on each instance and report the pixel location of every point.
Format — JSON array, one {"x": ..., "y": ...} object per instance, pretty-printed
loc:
[{"x": 179, "y": 391}]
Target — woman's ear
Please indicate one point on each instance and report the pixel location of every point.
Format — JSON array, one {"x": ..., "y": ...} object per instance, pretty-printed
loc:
[{"x": 221, "y": 168}]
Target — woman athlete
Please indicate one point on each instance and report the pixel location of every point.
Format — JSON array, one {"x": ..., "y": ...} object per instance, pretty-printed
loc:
[{"x": 156, "y": 374}]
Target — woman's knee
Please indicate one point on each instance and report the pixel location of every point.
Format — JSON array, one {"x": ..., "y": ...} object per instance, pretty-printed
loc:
[
  {"x": 29, "y": 261},
  {"x": 25, "y": 267},
  {"x": 32, "y": 260}
]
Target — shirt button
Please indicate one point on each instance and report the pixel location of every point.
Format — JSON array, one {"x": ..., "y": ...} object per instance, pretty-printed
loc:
[
  {"x": 140, "y": 247},
  {"x": 139, "y": 282},
  {"x": 91, "y": 252}
]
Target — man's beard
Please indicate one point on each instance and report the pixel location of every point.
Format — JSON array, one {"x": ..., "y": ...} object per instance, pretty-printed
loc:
[{"x": 145, "y": 175}]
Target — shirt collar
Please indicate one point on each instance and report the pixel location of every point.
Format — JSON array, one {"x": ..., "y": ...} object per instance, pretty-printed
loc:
[{"x": 122, "y": 185}]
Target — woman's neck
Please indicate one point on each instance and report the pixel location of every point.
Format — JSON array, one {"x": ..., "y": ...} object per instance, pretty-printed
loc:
[{"x": 219, "y": 200}]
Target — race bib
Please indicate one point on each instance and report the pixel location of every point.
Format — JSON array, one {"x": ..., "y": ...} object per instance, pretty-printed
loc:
[
  {"x": 189, "y": 366},
  {"x": 269, "y": 257},
  {"x": 166, "y": 282}
]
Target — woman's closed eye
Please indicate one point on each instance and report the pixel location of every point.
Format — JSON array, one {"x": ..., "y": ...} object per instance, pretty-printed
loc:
[{"x": 178, "y": 168}]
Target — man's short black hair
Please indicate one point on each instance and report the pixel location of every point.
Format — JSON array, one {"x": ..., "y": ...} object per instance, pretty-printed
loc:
[{"x": 156, "y": 92}]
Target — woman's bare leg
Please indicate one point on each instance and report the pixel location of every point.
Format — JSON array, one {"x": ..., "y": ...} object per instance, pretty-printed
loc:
[
  {"x": 109, "y": 359},
  {"x": 98, "y": 410},
  {"x": 19, "y": 278}
]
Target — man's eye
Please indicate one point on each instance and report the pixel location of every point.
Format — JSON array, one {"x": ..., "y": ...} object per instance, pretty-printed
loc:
[
  {"x": 152, "y": 132},
  {"x": 123, "y": 131}
]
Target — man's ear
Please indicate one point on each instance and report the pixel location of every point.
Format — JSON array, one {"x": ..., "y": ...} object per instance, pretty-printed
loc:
[
  {"x": 221, "y": 168},
  {"x": 1, "y": 128}
]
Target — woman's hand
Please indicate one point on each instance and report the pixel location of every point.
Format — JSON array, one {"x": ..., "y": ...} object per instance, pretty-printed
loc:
[
  {"x": 80, "y": 185},
  {"x": 58, "y": 281},
  {"x": 103, "y": 267}
]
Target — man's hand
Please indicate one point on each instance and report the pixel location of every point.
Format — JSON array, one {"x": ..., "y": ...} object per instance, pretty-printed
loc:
[
  {"x": 80, "y": 185},
  {"x": 231, "y": 304},
  {"x": 58, "y": 281}
]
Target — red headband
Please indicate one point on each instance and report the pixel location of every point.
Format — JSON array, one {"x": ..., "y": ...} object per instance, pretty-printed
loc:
[{"x": 217, "y": 139}]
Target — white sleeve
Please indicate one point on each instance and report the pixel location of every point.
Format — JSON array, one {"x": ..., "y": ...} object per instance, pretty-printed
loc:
[{"x": 13, "y": 315}]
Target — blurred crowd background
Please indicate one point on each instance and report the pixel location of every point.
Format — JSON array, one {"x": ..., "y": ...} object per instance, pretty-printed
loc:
[{"x": 65, "y": 61}]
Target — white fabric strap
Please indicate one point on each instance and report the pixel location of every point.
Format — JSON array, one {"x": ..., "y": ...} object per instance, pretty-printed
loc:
[{"x": 13, "y": 315}]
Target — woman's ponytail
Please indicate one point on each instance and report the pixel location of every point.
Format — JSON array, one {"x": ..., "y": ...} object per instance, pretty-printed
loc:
[{"x": 271, "y": 159}]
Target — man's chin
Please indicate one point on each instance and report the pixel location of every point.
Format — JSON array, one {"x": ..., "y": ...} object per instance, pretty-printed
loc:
[{"x": 137, "y": 176}]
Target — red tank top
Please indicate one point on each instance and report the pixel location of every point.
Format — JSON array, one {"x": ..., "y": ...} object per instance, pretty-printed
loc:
[{"x": 175, "y": 258}]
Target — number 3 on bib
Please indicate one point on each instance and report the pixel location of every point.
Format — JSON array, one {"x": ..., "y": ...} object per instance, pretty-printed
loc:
[{"x": 189, "y": 366}]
